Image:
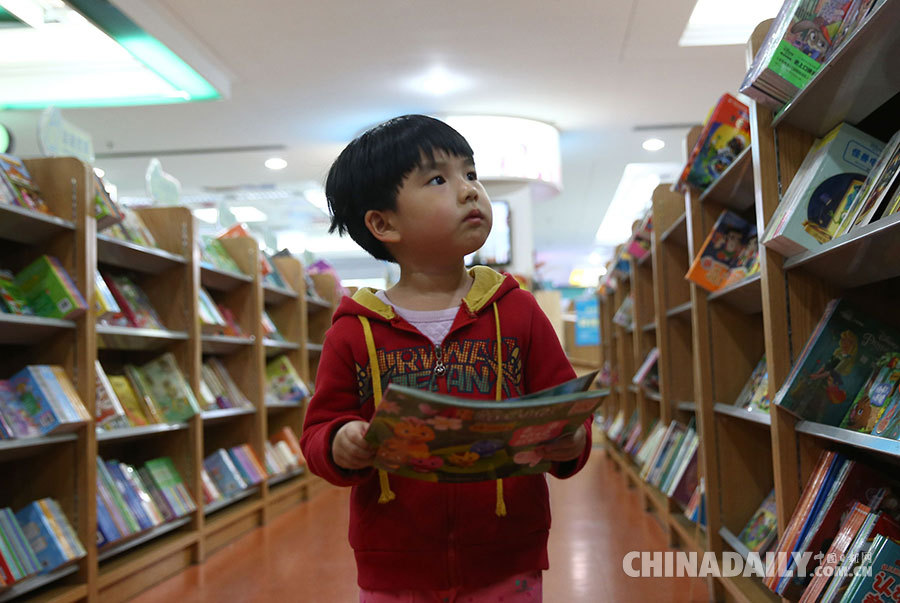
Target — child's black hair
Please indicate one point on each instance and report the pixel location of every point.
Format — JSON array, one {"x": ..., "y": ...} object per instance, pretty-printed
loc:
[{"x": 369, "y": 172}]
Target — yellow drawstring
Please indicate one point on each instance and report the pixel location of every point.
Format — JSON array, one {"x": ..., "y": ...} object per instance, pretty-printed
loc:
[
  {"x": 387, "y": 494},
  {"x": 501, "y": 504}
]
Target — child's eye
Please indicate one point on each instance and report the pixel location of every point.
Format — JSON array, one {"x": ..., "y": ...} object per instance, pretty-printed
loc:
[
  {"x": 472, "y": 176},
  {"x": 437, "y": 180}
]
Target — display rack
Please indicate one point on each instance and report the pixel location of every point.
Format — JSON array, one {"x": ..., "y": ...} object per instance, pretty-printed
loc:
[
  {"x": 62, "y": 466},
  {"x": 723, "y": 335}
]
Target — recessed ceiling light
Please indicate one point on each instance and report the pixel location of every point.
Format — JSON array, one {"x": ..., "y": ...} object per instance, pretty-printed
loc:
[
  {"x": 100, "y": 172},
  {"x": 248, "y": 213},
  {"x": 276, "y": 163},
  {"x": 653, "y": 144},
  {"x": 438, "y": 81}
]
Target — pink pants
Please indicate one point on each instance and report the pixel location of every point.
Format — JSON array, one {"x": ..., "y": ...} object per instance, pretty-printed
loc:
[{"x": 521, "y": 588}]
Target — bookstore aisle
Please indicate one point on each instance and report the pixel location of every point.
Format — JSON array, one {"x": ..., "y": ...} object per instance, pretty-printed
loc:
[{"x": 303, "y": 555}]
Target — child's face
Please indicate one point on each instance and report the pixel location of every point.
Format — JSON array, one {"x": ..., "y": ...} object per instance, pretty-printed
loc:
[{"x": 442, "y": 211}]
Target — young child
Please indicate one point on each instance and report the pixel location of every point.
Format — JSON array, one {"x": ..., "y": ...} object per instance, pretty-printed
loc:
[{"x": 407, "y": 192}]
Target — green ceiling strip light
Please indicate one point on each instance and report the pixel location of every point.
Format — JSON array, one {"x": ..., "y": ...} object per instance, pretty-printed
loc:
[{"x": 148, "y": 50}]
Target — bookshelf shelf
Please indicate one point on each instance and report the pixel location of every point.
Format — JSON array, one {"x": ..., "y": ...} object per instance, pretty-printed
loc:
[
  {"x": 128, "y": 338},
  {"x": 129, "y": 566},
  {"x": 22, "y": 225},
  {"x": 275, "y": 347},
  {"x": 677, "y": 232},
  {"x": 687, "y": 406},
  {"x": 748, "y": 589},
  {"x": 276, "y": 295},
  {"x": 681, "y": 311},
  {"x": 149, "y": 260},
  {"x": 657, "y": 498},
  {"x": 854, "y": 83},
  {"x": 315, "y": 304},
  {"x": 742, "y": 414},
  {"x": 20, "y": 444},
  {"x": 227, "y": 502},
  {"x": 734, "y": 188},
  {"x": 221, "y": 414},
  {"x": 27, "y": 330},
  {"x": 846, "y": 437},
  {"x": 649, "y": 327},
  {"x": 864, "y": 256},
  {"x": 651, "y": 395},
  {"x": 143, "y": 431},
  {"x": 221, "y": 280},
  {"x": 633, "y": 388},
  {"x": 745, "y": 295},
  {"x": 280, "y": 479},
  {"x": 117, "y": 548},
  {"x": 32, "y": 584},
  {"x": 731, "y": 540},
  {"x": 314, "y": 347},
  {"x": 687, "y": 531},
  {"x": 283, "y": 406},
  {"x": 224, "y": 344}
]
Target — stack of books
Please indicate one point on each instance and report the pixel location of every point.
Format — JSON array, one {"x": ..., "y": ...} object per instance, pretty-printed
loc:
[
  {"x": 43, "y": 288},
  {"x": 36, "y": 540},
  {"x": 218, "y": 389},
  {"x": 283, "y": 453},
  {"x": 131, "y": 501},
  {"x": 156, "y": 392},
  {"x": 131, "y": 229},
  {"x": 227, "y": 473},
  {"x": 39, "y": 400}
]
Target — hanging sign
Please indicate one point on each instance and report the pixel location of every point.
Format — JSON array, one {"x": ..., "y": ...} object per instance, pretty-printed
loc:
[{"x": 60, "y": 138}]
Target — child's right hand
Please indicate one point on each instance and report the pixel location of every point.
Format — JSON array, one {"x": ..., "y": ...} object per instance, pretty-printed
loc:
[{"x": 349, "y": 449}]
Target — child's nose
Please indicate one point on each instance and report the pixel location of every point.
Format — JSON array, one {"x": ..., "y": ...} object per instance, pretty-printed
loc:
[{"x": 468, "y": 191}]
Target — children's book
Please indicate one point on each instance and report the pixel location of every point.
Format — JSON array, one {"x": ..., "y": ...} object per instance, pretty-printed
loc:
[
  {"x": 214, "y": 253},
  {"x": 283, "y": 384},
  {"x": 49, "y": 291},
  {"x": 871, "y": 402},
  {"x": 436, "y": 437},
  {"x": 881, "y": 581},
  {"x": 106, "y": 211},
  {"x": 755, "y": 395},
  {"x": 639, "y": 245},
  {"x": 850, "y": 527},
  {"x": 724, "y": 137},
  {"x": 835, "y": 363},
  {"x": 644, "y": 374},
  {"x": 824, "y": 192},
  {"x": 25, "y": 192},
  {"x": 133, "y": 408},
  {"x": 878, "y": 188},
  {"x": 104, "y": 301},
  {"x": 12, "y": 300},
  {"x": 624, "y": 316},
  {"x": 133, "y": 302},
  {"x": 23, "y": 415},
  {"x": 109, "y": 411},
  {"x": 211, "y": 320},
  {"x": 720, "y": 251},
  {"x": 794, "y": 50},
  {"x": 746, "y": 264},
  {"x": 761, "y": 530},
  {"x": 169, "y": 390}
]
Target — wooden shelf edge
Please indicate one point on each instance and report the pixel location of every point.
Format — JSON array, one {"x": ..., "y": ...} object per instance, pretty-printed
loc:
[
  {"x": 750, "y": 416},
  {"x": 232, "y": 514},
  {"x": 133, "y": 562},
  {"x": 40, "y": 581}
]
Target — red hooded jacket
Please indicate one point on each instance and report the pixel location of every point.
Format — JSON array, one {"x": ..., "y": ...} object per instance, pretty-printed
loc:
[{"x": 439, "y": 535}]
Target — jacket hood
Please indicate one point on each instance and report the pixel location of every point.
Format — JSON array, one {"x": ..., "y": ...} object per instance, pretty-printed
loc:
[{"x": 489, "y": 286}]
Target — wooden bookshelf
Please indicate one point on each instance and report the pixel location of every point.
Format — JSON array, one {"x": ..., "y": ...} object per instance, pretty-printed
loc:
[
  {"x": 62, "y": 466},
  {"x": 748, "y": 454}
]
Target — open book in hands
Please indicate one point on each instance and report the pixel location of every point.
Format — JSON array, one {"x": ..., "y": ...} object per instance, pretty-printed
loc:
[{"x": 442, "y": 438}]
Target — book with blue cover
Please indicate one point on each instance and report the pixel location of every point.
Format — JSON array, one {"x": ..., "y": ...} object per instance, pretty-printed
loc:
[
  {"x": 46, "y": 546},
  {"x": 223, "y": 472}
]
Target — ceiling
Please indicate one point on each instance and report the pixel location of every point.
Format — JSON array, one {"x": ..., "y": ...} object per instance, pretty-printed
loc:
[{"x": 306, "y": 77}]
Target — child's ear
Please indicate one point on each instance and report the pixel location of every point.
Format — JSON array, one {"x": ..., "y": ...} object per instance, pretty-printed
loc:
[{"x": 381, "y": 225}]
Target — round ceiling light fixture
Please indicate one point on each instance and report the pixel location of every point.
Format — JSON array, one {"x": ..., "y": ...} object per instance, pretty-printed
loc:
[
  {"x": 653, "y": 144},
  {"x": 276, "y": 163}
]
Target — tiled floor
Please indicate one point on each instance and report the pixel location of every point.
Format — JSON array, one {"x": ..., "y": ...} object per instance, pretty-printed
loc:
[{"x": 303, "y": 555}]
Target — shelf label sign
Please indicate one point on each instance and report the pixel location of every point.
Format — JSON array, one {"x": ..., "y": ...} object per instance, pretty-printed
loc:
[
  {"x": 162, "y": 187},
  {"x": 587, "y": 322},
  {"x": 60, "y": 138}
]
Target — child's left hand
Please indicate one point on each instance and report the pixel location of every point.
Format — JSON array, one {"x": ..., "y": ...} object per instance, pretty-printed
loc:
[{"x": 566, "y": 448}]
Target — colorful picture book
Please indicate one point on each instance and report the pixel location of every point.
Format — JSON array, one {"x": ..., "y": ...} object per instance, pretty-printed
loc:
[
  {"x": 17, "y": 559},
  {"x": 214, "y": 254},
  {"x": 881, "y": 580},
  {"x": 17, "y": 186},
  {"x": 879, "y": 194},
  {"x": 12, "y": 300},
  {"x": 109, "y": 413},
  {"x": 283, "y": 453},
  {"x": 624, "y": 315},
  {"x": 638, "y": 246},
  {"x": 131, "y": 229},
  {"x": 755, "y": 394},
  {"x": 106, "y": 211},
  {"x": 104, "y": 301},
  {"x": 724, "y": 136},
  {"x": 435, "y": 437},
  {"x": 826, "y": 192},
  {"x": 211, "y": 319},
  {"x": 647, "y": 375},
  {"x": 169, "y": 391},
  {"x": 49, "y": 534},
  {"x": 835, "y": 364},
  {"x": 39, "y": 400},
  {"x": 49, "y": 291},
  {"x": 231, "y": 471},
  {"x": 223, "y": 392},
  {"x": 721, "y": 251},
  {"x": 873, "y": 399},
  {"x": 283, "y": 383},
  {"x": 805, "y": 33},
  {"x": 760, "y": 532},
  {"x": 136, "y": 309}
]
